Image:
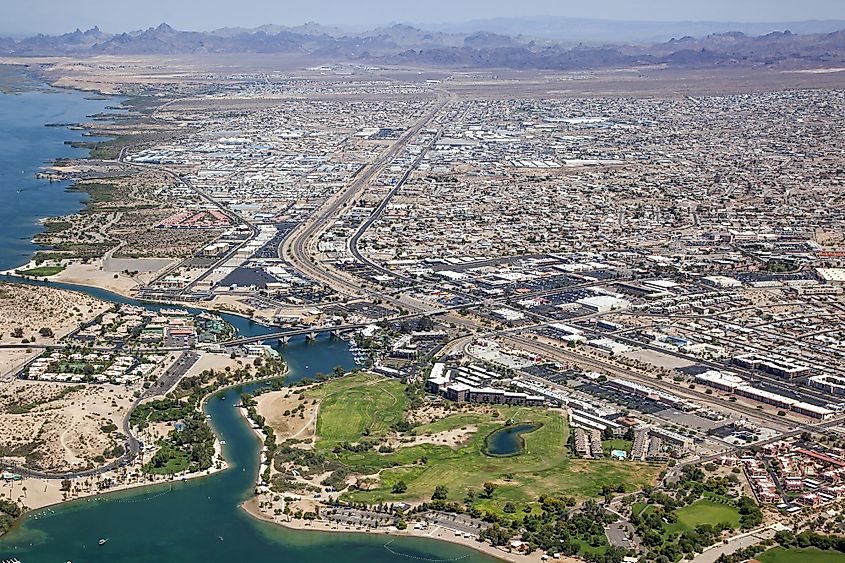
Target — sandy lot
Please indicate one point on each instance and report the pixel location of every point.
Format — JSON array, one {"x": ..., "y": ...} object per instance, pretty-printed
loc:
[
  {"x": 272, "y": 407},
  {"x": 658, "y": 359},
  {"x": 141, "y": 265},
  {"x": 217, "y": 362},
  {"x": 65, "y": 426},
  {"x": 31, "y": 308},
  {"x": 452, "y": 438},
  {"x": 92, "y": 274}
]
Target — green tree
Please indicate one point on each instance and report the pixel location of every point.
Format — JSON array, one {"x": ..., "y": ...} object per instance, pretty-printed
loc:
[
  {"x": 399, "y": 487},
  {"x": 440, "y": 492}
]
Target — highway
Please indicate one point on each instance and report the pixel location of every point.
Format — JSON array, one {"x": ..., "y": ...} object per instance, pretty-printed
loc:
[
  {"x": 353, "y": 240},
  {"x": 296, "y": 248}
]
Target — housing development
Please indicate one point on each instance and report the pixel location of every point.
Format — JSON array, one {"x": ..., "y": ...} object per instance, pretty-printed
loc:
[{"x": 581, "y": 316}]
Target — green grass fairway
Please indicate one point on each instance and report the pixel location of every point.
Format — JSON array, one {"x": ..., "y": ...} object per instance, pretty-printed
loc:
[
  {"x": 704, "y": 512},
  {"x": 42, "y": 272},
  {"x": 367, "y": 404},
  {"x": 804, "y": 555},
  {"x": 356, "y": 405}
]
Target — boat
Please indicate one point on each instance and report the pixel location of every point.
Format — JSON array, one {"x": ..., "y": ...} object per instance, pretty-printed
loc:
[
  {"x": 174, "y": 312},
  {"x": 222, "y": 397},
  {"x": 220, "y": 538},
  {"x": 102, "y": 541}
]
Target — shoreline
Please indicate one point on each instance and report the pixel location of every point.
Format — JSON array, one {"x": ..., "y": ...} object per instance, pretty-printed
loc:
[
  {"x": 98, "y": 130},
  {"x": 80, "y": 287},
  {"x": 37, "y": 82},
  {"x": 251, "y": 508},
  {"x": 218, "y": 452},
  {"x": 33, "y": 512}
]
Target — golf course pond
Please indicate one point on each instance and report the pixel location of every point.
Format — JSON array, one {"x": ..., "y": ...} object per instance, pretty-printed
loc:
[
  {"x": 508, "y": 441},
  {"x": 201, "y": 520}
]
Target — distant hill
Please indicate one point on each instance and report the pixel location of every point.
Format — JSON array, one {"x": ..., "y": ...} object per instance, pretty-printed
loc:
[
  {"x": 590, "y": 30},
  {"x": 404, "y": 44}
]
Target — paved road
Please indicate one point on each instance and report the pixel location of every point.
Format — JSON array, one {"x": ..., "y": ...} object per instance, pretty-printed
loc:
[
  {"x": 695, "y": 395},
  {"x": 235, "y": 217},
  {"x": 171, "y": 375},
  {"x": 133, "y": 447},
  {"x": 734, "y": 544},
  {"x": 353, "y": 240},
  {"x": 295, "y": 249}
]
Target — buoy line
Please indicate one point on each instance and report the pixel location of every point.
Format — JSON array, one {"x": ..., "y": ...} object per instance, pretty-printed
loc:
[
  {"x": 394, "y": 552},
  {"x": 133, "y": 500}
]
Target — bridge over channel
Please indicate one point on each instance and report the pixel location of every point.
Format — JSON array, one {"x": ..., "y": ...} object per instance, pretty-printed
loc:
[{"x": 310, "y": 333}]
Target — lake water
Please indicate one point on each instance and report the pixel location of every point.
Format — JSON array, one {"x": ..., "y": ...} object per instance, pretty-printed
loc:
[
  {"x": 508, "y": 440},
  {"x": 26, "y": 145},
  {"x": 184, "y": 524},
  {"x": 178, "y": 523}
]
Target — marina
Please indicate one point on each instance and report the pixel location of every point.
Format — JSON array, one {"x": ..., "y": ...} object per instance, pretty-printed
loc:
[
  {"x": 180, "y": 521},
  {"x": 184, "y": 516}
]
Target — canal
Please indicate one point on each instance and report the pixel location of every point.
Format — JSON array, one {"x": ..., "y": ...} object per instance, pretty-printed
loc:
[{"x": 184, "y": 522}]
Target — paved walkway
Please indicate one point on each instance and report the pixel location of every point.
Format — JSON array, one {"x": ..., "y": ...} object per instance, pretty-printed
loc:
[{"x": 736, "y": 543}]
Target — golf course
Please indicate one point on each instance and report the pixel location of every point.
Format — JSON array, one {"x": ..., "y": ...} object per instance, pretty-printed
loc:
[{"x": 366, "y": 408}]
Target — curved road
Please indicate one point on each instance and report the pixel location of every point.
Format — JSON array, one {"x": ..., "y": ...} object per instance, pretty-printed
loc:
[{"x": 295, "y": 249}]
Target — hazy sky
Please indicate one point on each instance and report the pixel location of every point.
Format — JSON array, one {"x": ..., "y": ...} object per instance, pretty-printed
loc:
[{"x": 52, "y": 16}]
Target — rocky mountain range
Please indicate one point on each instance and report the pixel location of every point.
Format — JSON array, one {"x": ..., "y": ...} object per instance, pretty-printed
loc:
[
  {"x": 573, "y": 30},
  {"x": 403, "y": 44}
]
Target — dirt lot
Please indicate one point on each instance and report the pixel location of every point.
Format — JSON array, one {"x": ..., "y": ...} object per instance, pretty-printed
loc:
[
  {"x": 272, "y": 407},
  {"x": 31, "y": 308},
  {"x": 57, "y": 426}
]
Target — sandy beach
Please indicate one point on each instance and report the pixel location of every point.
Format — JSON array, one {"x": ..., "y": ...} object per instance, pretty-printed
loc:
[
  {"x": 433, "y": 532},
  {"x": 36, "y": 493}
]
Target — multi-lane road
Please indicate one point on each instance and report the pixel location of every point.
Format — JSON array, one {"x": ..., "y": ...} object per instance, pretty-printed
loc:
[
  {"x": 297, "y": 248},
  {"x": 235, "y": 217}
]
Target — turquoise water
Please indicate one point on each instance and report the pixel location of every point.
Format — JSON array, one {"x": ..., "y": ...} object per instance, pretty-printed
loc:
[
  {"x": 508, "y": 440},
  {"x": 181, "y": 522},
  {"x": 26, "y": 145},
  {"x": 184, "y": 523}
]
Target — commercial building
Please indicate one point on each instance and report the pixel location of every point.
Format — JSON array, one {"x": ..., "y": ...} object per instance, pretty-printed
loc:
[{"x": 775, "y": 366}]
